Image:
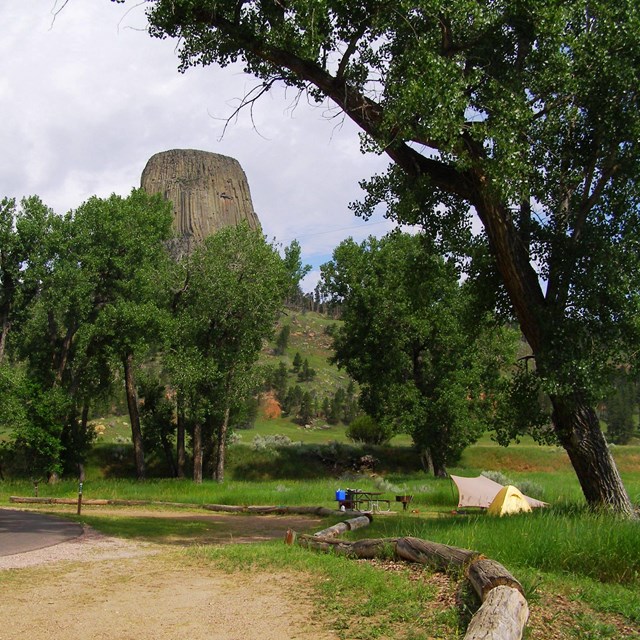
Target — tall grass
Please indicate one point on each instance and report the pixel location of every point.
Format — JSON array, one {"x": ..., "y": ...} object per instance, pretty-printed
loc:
[
  {"x": 293, "y": 492},
  {"x": 570, "y": 541}
]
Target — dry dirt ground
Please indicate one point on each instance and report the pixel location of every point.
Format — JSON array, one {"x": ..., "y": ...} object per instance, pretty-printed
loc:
[{"x": 106, "y": 588}]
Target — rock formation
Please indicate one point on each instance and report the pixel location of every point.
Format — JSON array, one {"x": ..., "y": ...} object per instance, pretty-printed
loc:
[{"x": 208, "y": 191}]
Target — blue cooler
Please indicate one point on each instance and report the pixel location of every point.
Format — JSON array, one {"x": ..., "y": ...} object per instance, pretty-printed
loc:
[{"x": 341, "y": 495}]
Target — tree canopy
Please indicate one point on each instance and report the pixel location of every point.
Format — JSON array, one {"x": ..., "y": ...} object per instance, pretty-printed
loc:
[
  {"x": 522, "y": 113},
  {"x": 86, "y": 300},
  {"x": 233, "y": 287},
  {"x": 428, "y": 362}
]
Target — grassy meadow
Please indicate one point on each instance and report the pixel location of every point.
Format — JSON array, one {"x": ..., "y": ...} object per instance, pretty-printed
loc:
[{"x": 562, "y": 554}]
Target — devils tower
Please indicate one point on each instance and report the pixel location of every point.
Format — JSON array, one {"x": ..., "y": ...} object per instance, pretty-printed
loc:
[{"x": 208, "y": 191}]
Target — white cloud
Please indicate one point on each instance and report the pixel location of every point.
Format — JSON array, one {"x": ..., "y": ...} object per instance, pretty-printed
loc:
[{"x": 89, "y": 97}]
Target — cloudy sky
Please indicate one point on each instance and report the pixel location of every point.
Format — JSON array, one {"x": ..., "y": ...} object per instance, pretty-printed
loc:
[{"x": 88, "y": 97}]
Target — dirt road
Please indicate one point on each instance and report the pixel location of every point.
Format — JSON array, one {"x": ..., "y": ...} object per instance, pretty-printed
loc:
[{"x": 103, "y": 588}]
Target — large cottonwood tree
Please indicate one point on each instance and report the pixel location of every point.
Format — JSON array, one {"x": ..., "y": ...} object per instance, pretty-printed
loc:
[
  {"x": 24, "y": 235},
  {"x": 232, "y": 288},
  {"x": 525, "y": 113},
  {"x": 428, "y": 361},
  {"x": 98, "y": 304}
]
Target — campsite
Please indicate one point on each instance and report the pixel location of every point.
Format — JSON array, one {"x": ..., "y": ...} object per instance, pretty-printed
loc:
[{"x": 579, "y": 570}]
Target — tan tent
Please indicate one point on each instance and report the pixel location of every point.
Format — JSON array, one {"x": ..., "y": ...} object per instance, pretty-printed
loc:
[
  {"x": 481, "y": 491},
  {"x": 509, "y": 500}
]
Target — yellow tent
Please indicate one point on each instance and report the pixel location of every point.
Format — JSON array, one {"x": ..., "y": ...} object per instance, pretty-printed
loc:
[{"x": 509, "y": 500}]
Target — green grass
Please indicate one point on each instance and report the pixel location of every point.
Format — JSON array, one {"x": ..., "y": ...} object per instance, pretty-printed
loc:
[
  {"x": 565, "y": 549},
  {"x": 322, "y": 433},
  {"x": 295, "y": 492},
  {"x": 595, "y": 556},
  {"x": 181, "y": 530}
]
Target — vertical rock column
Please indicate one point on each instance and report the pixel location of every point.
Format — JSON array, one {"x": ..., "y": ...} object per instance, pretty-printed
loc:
[{"x": 208, "y": 191}]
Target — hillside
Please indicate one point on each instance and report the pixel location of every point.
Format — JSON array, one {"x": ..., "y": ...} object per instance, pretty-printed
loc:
[{"x": 309, "y": 339}]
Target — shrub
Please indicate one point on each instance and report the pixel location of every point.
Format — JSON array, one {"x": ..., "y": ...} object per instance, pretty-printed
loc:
[
  {"x": 270, "y": 442},
  {"x": 365, "y": 429},
  {"x": 498, "y": 477},
  {"x": 528, "y": 487},
  {"x": 271, "y": 407}
]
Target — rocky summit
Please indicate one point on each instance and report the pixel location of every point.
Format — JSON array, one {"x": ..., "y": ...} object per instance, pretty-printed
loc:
[{"x": 208, "y": 191}]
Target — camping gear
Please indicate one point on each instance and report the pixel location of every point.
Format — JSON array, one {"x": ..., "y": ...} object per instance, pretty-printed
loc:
[
  {"x": 405, "y": 501},
  {"x": 481, "y": 491},
  {"x": 509, "y": 500}
]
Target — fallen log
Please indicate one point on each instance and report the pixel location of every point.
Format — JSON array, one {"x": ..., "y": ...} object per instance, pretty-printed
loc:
[
  {"x": 485, "y": 575},
  {"x": 433, "y": 554},
  {"x": 318, "y": 511},
  {"x": 181, "y": 505},
  {"x": 365, "y": 549},
  {"x": 327, "y": 545},
  {"x": 502, "y": 616},
  {"x": 347, "y": 525},
  {"x": 369, "y": 548},
  {"x": 95, "y": 501},
  {"x": 321, "y": 511},
  {"x": 228, "y": 508},
  {"x": 265, "y": 510},
  {"x": 335, "y": 530},
  {"x": 313, "y": 511},
  {"x": 504, "y": 612}
]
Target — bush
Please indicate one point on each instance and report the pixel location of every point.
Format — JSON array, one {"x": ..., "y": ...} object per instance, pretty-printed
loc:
[
  {"x": 528, "y": 487},
  {"x": 498, "y": 476},
  {"x": 365, "y": 429},
  {"x": 270, "y": 442}
]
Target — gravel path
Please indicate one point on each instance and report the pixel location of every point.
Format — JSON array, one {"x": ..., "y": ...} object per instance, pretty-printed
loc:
[
  {"x": 90, "y": 546},
  {"x": 106, "y": 588}
]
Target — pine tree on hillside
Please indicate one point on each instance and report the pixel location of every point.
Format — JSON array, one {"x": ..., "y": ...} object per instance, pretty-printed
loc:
[{"x": 282, "y": 340}]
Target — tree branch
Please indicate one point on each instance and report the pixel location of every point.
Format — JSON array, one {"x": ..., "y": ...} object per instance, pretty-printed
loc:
[
  {"x": 366, "y": 113},
  {"x": 351, "y": 48}
]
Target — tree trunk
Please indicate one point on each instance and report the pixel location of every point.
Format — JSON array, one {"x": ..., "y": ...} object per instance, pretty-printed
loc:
[
  {"x": 222, "y": 445},
  {"x": 64, "y": 352},
  {"x": 6, "y": 325},
  {"x": 579, "y": 432},
  {"x": 439, "y": 468},
  {"x": 575, "y": 424},
  {"x": 84, "y": 421},
  {"x": 432, "y": 463},
  {"x": 427, "y": 460},
  {"x": 134, "y": 416},
  {"x": 84, "y": 416},
  {"x": 168, "y": 453},
  {"x": 180, "y": 439},
  {"x": 197, "y": 452}
]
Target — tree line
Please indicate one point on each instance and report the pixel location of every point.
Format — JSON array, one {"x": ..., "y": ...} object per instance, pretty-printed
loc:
[{"x": 94, "y": 299}]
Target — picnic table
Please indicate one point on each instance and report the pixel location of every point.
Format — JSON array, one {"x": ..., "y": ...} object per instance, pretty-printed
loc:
[{"x": 360, "y": 500}]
